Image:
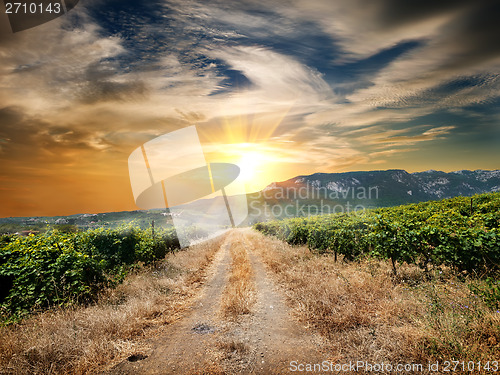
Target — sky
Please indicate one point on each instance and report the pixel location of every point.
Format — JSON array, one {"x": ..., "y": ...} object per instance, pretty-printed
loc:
[{"x": 280, "y": 87}]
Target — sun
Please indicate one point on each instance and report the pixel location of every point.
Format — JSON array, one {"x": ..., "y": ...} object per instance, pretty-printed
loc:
[
  {"x": 250, "y": 164},
  {"x": 260, "y": 163},
  {"x": 253, "y": 160},
  {"x": 247, "y": 138}
]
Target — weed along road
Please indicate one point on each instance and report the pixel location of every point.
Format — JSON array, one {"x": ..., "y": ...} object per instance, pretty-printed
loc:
[{"x": 239, "y": 323}]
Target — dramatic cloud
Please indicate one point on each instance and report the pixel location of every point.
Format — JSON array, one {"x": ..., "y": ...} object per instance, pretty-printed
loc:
[{"x": 312, "y": 85}]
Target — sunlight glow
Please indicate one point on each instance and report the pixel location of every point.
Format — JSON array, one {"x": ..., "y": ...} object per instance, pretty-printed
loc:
[
  {"x": 249, "y": 142},
  {"x": 251, "y": 164}
]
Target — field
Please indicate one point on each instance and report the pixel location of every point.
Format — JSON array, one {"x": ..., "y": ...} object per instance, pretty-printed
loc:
[{"x": 414, "y": 285}]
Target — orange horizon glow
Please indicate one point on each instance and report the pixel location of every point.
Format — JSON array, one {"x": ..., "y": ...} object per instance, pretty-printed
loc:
[{"x": 53, "y": 195}]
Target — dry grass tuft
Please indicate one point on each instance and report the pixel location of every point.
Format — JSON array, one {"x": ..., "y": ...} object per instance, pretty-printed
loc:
[
  {"x": 369, "y": 315},
  {"x": 239, "y": 294},
  {"x": 232, "y": 346},
  {"x": 83, "y": 339}
]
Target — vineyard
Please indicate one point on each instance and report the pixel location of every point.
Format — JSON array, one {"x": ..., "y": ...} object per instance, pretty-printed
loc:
[
  {"x": 58, "y": 269},
  {"x": 462, "y": 233}
]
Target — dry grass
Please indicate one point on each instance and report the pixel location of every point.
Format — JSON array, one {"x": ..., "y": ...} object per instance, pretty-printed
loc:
[
  {"x": 232, "y": 346},
  {"x": 239, "y": 294},
  {"x": 83, "y": 339},
  {"x": 368, "y": 315}
]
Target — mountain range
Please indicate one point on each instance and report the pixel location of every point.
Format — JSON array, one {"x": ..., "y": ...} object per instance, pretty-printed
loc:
[
  {"x": 397, "y": 184},
  {"x": 370, "y": 189}
]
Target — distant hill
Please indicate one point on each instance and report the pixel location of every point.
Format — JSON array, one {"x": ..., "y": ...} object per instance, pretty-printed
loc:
[
  {"x": 369, "y": 189},
  {"x": 399, "y": 185},
  {"x": 141, "y": 218}
]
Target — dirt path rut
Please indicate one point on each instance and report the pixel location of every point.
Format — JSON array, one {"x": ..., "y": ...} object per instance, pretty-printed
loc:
[{"x": 265, "y": 341}]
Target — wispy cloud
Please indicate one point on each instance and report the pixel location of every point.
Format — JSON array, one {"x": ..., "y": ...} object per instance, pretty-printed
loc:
[{"x": 325, "y": 85}]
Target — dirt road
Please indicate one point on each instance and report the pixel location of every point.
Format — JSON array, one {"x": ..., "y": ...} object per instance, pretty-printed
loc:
[{"x": 204, "y": 341}]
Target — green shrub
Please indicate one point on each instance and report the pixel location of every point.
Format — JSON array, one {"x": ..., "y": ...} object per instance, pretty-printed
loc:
[{"x": 59, "y": 268}]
